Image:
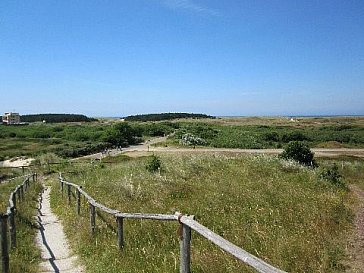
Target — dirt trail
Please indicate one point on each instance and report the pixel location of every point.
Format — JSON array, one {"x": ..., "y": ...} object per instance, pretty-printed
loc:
[
  {"x": 356, "y": 245},
  {"x": 52, "y": 241}
]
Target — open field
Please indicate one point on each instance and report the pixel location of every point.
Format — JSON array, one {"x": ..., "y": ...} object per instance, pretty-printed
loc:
[{"x": 277, "y": 210}]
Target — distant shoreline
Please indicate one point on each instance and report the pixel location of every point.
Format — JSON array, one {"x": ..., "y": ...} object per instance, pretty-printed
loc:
[{"x": 263, "y": 116}]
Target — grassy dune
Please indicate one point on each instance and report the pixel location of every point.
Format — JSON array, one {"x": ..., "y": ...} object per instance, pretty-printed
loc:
[{"x": 277, "y": 210}]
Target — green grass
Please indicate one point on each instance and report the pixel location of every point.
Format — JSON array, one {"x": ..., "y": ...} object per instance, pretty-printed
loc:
[
  {"x": 227, "y": 135},
  {"x": 351, "y": 168},
  {"x": 277, "y": 210},
  {"x": 26, "y": 256}
]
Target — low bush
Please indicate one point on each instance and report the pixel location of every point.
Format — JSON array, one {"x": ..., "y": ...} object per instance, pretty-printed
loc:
[
  {"x": 332, "y": 175},
  {"x": 154, "y": 164},
  {"x": 300, "y": 152}
]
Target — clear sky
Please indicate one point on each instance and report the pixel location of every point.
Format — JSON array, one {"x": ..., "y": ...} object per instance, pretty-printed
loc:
[{"x": 219, "y": 57}]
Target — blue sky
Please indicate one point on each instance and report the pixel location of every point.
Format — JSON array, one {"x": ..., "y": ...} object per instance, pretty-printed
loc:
[{"x": 115, "y": 58}]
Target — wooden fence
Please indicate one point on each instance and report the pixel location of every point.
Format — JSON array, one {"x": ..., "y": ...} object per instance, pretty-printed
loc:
[
  {"x": 187, "y": 224},
  {"x": 7, "y": 220}
]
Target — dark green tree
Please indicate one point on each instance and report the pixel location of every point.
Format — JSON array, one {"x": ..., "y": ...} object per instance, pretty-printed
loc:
[{"x": 122, "y": 135}]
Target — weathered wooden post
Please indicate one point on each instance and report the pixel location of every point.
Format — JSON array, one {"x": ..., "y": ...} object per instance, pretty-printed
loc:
[
  {"x": 62, "y": 185},
  {"x": 69, "y": 194},
  {"x": 22, "y": 192},
  {"x": 185, "y": 249},
  {"x": 14, "y": 199},
  {"x": 78, "y": 201},
  {"x": 12, "y": 228},
  {"x": 120, "y": 221},
  {"x": 4, "y": 243},
  {"x": 19, "y": 194},
  {"x": 92, "y": 218}
]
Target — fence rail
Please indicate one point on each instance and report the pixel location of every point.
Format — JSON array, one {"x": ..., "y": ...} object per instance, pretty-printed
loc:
[
  {"x": 7, "y": 220},
  {"x": 187, "y": 224}
]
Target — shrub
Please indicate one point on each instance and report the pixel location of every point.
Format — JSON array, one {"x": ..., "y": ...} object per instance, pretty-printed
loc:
[
  {"x": 294, "y": 136},
  {"x": 190, "y": 139},
  {"x": 271, "y": 136},
  {"x": 154, "y": 164},
  {"x": 332, "y": 175},
  {"x": 300, "y": 152}
]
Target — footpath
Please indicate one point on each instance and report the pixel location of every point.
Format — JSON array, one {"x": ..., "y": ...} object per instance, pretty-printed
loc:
[{"x": 52, "y": 241}]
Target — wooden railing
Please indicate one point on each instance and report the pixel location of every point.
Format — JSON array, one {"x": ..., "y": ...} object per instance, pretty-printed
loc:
[
  {"x": 7, "y": 220},
  {"x": 187, "y": 223}
]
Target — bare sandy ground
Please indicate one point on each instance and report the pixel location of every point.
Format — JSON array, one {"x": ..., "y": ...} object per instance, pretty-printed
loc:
[
  {"x": 52, "y": 241},
  {"x": 147, "y": 147},
  {"x": 17, "y": 162},
  {"x": 319, "y": 152}
]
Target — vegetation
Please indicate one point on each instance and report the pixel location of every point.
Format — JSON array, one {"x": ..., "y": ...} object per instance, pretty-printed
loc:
[
  {"x": 166, "y": 116},
  {"x": 65, "y": 140},
  {"x": 77, "y": 139},
  {"x": 273, "y": 208},
  {"x": 332, "y": 175},
  {"x": 154, "y": 164},
  {"x": 26, "y": 256},
  {"x": 225, "y": 135},
  {"x": 122, "y": 135},
  {"x": 56, "y": 118},
  {"x": 299, "y": 152},
  {"x": 191, "y": 140}
]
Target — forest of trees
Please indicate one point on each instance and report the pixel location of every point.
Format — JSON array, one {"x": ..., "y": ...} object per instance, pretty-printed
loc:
[
  {"x": 56, "y": 118},
  {"x": 165, "y": 116}
]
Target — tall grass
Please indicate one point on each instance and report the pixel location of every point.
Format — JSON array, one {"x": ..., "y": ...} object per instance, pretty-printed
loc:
[
  {"x": 277, "y": 210},
  {"x": 26, "y": 256}
]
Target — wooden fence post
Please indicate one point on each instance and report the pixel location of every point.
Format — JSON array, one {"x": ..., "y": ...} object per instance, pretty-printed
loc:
[
  {"x": 12, "y": 228},
  {"x": 14, "y": 200},
  {"x": 120, "y": 221},
  {"x": 69, "y": 194},
  {"x": 4, "y": 243},
  {"x": 22, "y": 192},
  {"x": 19, "y": 194},
  {"x": 62, "y": 185},
  {"x": 78, "y": 202},
  {"x": 92, "y": 218},
  {"x": 185, "y": 249}
]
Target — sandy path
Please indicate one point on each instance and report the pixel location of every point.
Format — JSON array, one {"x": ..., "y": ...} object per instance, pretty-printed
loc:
[{"x": 52, "y": 241}]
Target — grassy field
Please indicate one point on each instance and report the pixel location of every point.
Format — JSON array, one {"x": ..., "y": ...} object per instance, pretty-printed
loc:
[
  {"x": 257, "y": 133},
  {"x": 284, "y": 213},
  {"x": 26, "y": 256}
]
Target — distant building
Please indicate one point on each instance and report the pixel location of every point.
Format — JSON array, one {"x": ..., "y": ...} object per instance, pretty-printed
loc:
[{"x": 11, "y": 118}]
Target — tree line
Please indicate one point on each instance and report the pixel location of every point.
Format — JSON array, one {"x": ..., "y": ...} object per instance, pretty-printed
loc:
[
  {"x": 56, "y": 118},
  {"x": 166, "y": 116}
]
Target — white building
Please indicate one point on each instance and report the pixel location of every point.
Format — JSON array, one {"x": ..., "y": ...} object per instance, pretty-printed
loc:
[{"x": 11, "y": 118}]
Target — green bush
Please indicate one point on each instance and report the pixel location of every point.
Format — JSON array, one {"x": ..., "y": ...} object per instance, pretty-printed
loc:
[
  {"x": 300, "y": 152},
  {"x": 332, "y": 175},
  {"x": 154, "y": 164},
  {"x": 294, "y": 136}
]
